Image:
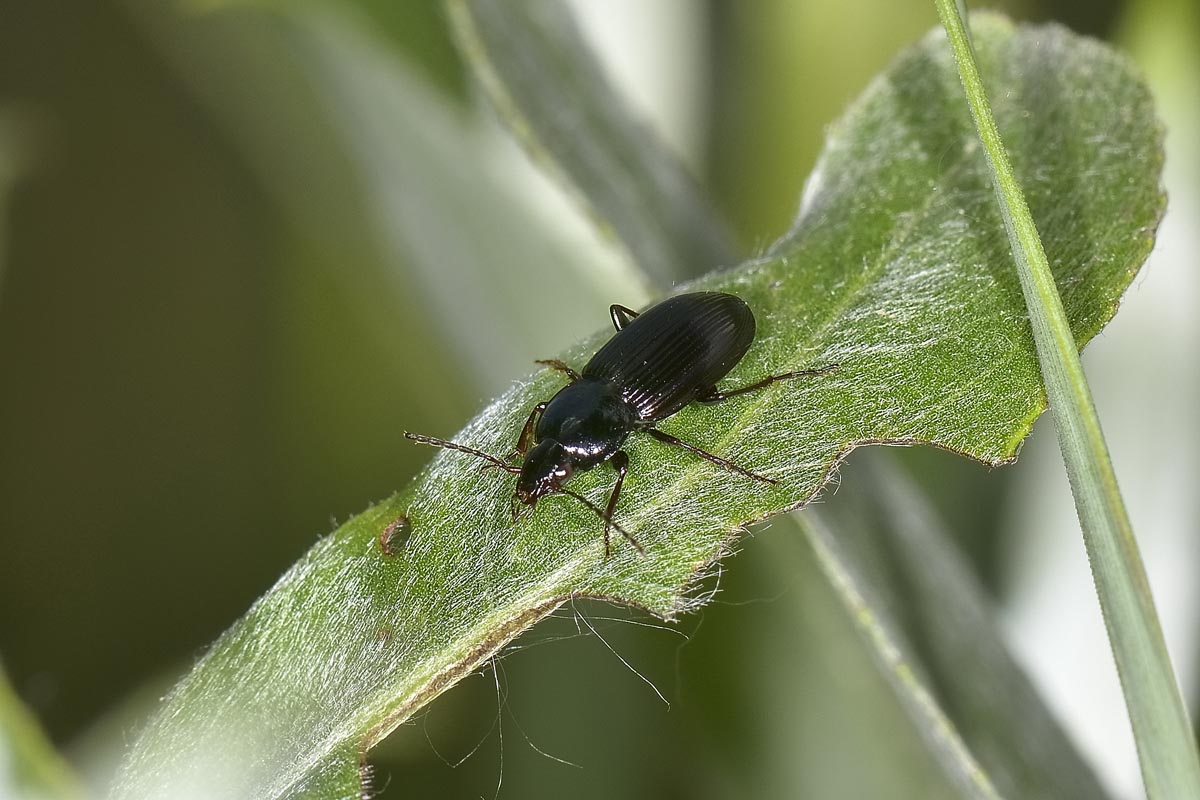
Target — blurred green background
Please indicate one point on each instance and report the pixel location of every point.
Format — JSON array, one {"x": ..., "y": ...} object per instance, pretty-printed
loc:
[{"x": 243, "y": 246}]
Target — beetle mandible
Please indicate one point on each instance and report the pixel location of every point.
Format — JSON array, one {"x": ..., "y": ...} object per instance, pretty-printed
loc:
[{"x": 657, "y": 362}]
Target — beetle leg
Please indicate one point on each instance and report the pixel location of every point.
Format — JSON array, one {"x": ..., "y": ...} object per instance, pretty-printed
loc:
[
  {"x": 620, "y": 462},
  {"x": 608, "y": 522},
  {"x": 527, "y": 432},
  {"x": 720, "y": 462},
  {"x": 561, "y": 366},
  {"x": 715, "y": 395},
  {"x": 621, "y": 315},
  {"x": 518, "y": 509}
]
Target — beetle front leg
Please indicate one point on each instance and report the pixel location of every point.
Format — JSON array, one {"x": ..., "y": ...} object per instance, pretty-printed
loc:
[
  {"x": 523, "y": 442},
  {"x": 526, "y": 436}
]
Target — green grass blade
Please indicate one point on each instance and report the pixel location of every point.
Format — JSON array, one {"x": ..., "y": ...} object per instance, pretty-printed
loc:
[
  {"x": 945, "y": 654},
  {"x": 30, "y": 767},
  {"x": 549, "y": 90},
  {"x": 930, "y": 719},
  {"x": 1166, "y": 747},
  {"x": 893, "y": 270}
]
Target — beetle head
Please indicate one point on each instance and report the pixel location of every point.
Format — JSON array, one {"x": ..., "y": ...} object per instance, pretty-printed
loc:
[{"x": 546, "y": 468}]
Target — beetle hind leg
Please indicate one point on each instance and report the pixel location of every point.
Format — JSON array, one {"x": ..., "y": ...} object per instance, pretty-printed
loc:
[
  {"x": 715, "y": 395},
  {"x": 667, "y": 438}
]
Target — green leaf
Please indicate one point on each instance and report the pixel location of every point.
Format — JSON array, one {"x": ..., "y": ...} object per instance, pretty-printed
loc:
[
  {"x": 896, "y": 270},
  {"x": 545, "y": 85},
  {"x": 1166, "y": 748}
]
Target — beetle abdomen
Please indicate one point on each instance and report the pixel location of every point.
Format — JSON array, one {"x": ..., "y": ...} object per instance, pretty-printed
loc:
[{"x": 675, "y": 351}]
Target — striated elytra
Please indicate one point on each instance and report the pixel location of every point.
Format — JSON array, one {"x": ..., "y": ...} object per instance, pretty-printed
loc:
[{"x": 657, "y": 362}]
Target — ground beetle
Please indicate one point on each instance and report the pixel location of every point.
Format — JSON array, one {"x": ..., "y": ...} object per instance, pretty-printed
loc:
[{"x": 657, "y": 363}]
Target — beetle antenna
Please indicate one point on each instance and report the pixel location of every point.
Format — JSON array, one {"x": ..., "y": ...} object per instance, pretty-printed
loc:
[
  {"x": 607, "y": 519},
  {"x": 461, "y": 448}
]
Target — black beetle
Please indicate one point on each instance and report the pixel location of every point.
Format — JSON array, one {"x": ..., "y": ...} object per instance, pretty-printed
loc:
[{"x": 657, "y": 363}]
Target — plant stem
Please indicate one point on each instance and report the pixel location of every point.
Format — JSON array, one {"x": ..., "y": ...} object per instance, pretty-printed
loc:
[{"x": 1166, "y": 747}]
